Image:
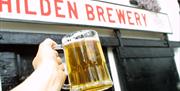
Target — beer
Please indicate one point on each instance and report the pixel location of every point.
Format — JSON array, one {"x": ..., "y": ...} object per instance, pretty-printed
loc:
[{"x": 86, "y": 65}]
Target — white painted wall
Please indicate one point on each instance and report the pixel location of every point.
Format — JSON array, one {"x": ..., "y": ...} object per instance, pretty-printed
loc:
[
  {"x": 113, "y": 69},
  {"x": 171, "y": 7}
]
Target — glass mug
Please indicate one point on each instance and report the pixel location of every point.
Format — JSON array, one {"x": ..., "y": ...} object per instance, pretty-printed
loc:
[{"x": 85, "y": 61}]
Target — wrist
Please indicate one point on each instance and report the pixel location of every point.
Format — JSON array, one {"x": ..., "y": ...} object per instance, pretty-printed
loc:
[{"x": 47, "y": 65}]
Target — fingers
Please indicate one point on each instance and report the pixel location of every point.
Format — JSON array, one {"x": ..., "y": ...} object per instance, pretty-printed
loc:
[
  {"x": 46, "y": 53},
  {"x": 49, "y": 42},
  {"x": 61, "y": 67},
  {"x": 59, "y": 60},
  {"x": 63, "y": 78},
  {"x": 60, "y": 64}
]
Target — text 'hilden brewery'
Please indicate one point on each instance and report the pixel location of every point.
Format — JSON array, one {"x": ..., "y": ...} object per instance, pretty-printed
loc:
[{"x": 71, "y": 9}]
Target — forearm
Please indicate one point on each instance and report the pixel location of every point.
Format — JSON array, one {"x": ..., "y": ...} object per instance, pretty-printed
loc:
[{"x": 44, "y": 78}]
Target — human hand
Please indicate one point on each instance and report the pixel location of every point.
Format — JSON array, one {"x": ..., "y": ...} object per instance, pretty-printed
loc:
[
  {"x": 47, "y": 55},
  {"x": 47, "y": 58},
  {"x": 49, "y": 72}
]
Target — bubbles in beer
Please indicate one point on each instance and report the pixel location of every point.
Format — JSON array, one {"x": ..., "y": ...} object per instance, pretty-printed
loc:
[{"x": 86, "y": 65}]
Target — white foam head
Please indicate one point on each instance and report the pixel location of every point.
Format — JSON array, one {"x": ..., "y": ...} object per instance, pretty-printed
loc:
[{"x": 79, "y": 36}]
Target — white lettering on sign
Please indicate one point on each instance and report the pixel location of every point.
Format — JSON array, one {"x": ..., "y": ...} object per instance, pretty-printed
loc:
[{"x": 84, "y": 12}]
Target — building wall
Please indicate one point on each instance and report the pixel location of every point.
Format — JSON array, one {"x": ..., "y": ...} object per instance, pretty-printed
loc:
[
  {"x": 169, "y": 7},
  {"x": 172, "y": 9}
]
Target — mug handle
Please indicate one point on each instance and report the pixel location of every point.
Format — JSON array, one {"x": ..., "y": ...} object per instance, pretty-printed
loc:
[{"x": 65, "y": 86}]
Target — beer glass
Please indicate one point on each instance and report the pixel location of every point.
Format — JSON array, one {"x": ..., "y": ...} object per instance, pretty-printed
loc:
[{"x": 86, "y": 65}]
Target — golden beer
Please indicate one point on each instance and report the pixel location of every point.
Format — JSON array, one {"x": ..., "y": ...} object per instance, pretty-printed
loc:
[{"x": 86, "y": 65}]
